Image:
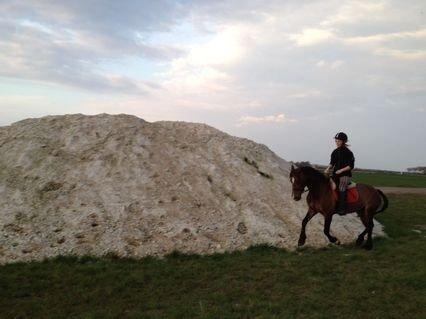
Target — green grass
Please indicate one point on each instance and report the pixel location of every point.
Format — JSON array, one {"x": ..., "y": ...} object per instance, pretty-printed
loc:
[
  {"x": 262, "y": 282},
  {"x": 390, "y": 179}
]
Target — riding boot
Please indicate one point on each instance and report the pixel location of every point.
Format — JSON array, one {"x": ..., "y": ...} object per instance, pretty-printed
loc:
[{"x": 342, "y": 203}]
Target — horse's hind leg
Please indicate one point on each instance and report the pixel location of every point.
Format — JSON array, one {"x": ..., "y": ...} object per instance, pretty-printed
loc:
[
  {"x": 360, "y": 239},
  {"x": 369, "y": 244}
]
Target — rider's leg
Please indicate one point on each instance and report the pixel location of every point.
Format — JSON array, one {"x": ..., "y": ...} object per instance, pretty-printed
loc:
[{"x": 343, "y": 182}]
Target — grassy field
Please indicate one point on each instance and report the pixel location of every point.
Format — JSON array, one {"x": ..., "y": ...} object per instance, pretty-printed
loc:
[
  {"x": 390, "y": 179},
  {"x": 262, "y": 282}
]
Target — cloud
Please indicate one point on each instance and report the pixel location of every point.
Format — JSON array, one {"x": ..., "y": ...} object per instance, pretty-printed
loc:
[
  {"x": 400, "y": 45},
  {"x": 312, "y": 36},
  {"x": 402, "y": 54},
  {"x": 329, "y": 64},
  {"x": 305, "y": 94},
  {"x": 279, "y": 118},
  {"x": 355, "y": 13},
  {"x": 65, "y": 42},
  {"x": 203, "y": 68},
  {"x": 218, "y": 61},
  {"x": 384, "y": 37}
]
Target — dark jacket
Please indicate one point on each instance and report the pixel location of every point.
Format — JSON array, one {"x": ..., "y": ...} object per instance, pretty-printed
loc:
[{"x": 342, "y": 157}]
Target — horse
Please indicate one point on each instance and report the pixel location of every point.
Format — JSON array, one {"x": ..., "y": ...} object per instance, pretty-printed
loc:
[{"x": 321, "y": 200}]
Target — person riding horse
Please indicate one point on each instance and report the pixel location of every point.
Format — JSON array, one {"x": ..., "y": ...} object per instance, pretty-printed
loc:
[{"x": 342, "y": 161}]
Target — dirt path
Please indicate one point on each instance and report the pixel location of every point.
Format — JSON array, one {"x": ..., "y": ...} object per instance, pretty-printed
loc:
[{"x": 402, "y": 190}]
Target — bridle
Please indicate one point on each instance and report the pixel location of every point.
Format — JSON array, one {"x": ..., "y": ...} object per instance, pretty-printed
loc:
[
  {"x": 297, "y": 189},
  {"x": 301, "y": 191}
]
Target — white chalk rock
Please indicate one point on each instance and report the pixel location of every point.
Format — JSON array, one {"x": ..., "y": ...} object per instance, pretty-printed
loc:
[{"x": 78, "y": 184}]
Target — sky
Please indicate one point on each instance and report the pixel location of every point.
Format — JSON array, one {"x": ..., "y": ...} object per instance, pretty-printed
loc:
[{"x": 287, "y": 74}]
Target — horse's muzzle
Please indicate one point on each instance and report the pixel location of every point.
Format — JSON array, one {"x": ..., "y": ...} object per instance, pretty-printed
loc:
[{"x": 297, "y": 197}]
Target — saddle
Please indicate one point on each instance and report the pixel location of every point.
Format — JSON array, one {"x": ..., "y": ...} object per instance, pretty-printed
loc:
[{"x": 352, "y": 195}]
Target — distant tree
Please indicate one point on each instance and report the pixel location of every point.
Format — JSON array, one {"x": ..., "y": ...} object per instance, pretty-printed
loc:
[{"x": 418, "y": 169}]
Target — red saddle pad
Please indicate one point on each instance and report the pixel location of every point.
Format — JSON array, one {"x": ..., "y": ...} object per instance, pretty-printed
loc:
[{"x": 352, "y": 195}]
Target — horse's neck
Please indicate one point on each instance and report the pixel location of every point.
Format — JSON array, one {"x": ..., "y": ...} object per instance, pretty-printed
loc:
[{"x": 319, "y": 189}]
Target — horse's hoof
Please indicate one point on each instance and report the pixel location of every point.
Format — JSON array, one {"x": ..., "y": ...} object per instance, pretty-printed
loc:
[
  {"x": 368, "y": 246},
  {"x": 359, "y": 242},
  {"x": 301, "y": 243},
  {"x": 334, "y": 240}
]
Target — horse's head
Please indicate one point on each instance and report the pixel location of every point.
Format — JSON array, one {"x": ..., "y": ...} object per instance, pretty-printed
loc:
[{"x": 298, "y": 181}]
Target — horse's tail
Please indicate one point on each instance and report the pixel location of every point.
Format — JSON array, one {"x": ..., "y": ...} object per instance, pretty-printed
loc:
[{"x": 385, "y": 201}]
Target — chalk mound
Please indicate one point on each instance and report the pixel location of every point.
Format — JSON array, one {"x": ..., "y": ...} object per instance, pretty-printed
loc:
[{"x": 78, "y": 184}]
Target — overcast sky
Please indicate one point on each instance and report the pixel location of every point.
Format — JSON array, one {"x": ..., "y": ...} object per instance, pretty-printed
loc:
[{"x": 288, "y": 74}]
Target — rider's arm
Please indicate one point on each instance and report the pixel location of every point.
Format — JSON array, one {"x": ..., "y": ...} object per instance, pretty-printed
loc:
[
  {"x": 344, "y": 169},
  {"x": 352, "y": 161},
  {"x": 332, "y": 162},
  {"x": 333, "y": 159}
]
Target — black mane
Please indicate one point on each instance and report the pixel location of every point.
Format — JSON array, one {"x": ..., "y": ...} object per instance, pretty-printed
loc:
[{"x": 315, "y": 175}]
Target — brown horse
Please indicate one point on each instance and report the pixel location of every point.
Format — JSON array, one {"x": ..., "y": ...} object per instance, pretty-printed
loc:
[{"x": 320, "y": 199}]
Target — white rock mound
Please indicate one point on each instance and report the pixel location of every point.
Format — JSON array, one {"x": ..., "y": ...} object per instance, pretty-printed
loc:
[{"x": 78, "y": 184}]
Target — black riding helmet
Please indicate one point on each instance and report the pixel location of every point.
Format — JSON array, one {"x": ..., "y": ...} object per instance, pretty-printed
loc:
[{"x": 341, "y": 136}]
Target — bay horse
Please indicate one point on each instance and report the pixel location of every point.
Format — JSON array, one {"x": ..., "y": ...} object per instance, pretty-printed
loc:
[{"x": 321, "y": 200}]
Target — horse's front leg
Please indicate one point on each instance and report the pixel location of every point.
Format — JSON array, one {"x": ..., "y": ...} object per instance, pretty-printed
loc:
[
  {"x": 302, "y": 237},
  {"x": 327, "y": 223}
]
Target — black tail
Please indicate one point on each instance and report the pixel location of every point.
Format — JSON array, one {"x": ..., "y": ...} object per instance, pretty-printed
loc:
[{"x": 385, "y": 201}]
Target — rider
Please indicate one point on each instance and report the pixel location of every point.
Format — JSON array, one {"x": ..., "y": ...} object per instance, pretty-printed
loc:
[{"x": 342, "y": 161}]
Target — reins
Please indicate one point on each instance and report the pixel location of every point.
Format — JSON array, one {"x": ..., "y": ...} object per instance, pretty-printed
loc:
[
  {"x": 307, "y": 188},
  {"x": 303, "y": 191}
]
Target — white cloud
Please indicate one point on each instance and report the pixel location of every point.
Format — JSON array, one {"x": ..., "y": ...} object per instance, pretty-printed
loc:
[
  {"x": 64, "y": 43},
  {"x": 353, "y": 12},
  {"x": 329, "y": 64},
  {"x": 221, "y": 60},
  {"x": 203, "y": 68},
  {"x": 312, "y": 36},
  {"x": 391, "y": 44},
  {"x": 402, "y": 54},
  {"x": 383, "y": 37},
  {"x": 305, "y": 94},
  {"x": 279, "y": 118}
]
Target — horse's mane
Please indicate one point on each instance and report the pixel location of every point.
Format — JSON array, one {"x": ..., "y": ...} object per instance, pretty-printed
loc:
[{"x": 314, "y": 174}]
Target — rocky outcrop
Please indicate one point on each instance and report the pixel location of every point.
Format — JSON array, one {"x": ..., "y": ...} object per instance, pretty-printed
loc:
[{"x": 78, "y": 184}]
